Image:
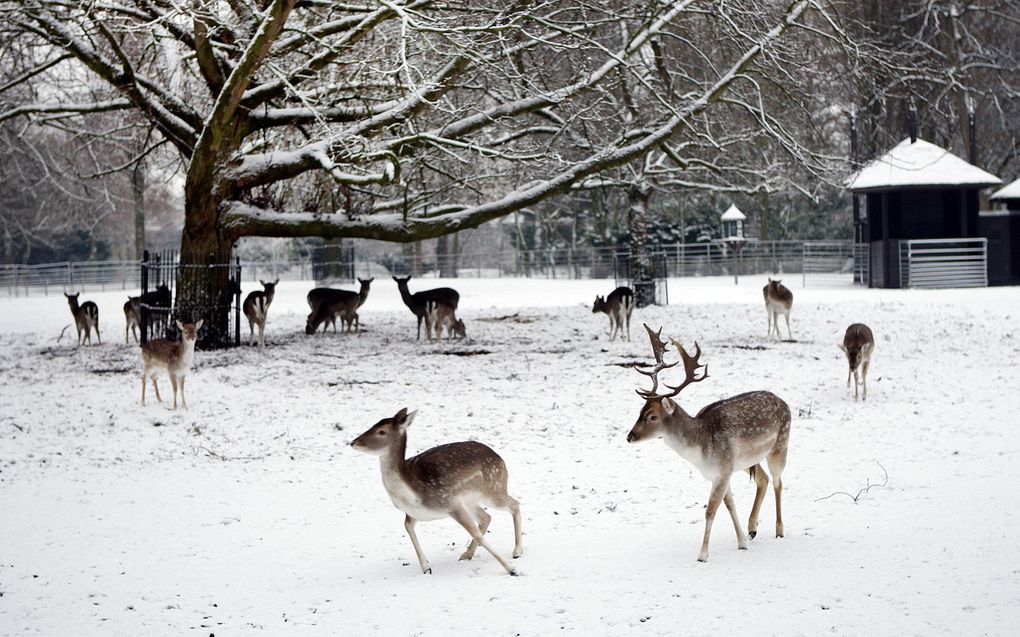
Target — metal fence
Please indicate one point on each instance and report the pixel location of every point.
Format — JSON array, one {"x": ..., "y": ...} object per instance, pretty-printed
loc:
[
  {"x": 813, "y": 259},
  {"x": 944, "y": 263}
]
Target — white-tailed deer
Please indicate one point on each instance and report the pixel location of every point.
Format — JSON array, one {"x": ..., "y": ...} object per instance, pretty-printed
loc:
[
  {"x": 418, "y": 301},
  {"x": 173, "y": 357},
  {"x": 327, "y": 304},
  {"x": 618, "y": 305},
  {"x": 439, "y": 315},
  {"x": 86, "y": 318},
  {"x": 132, "y": 317},
  {"x": 778, "y": 300},
  {"x": 256, "y": 308},
  {"x": 452, "y": 480},
  {"x": 858, "y": 344},
  {"x": 730, "y": 435}
]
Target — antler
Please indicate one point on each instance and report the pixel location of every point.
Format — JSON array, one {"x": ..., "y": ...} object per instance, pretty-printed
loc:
[
  {"x": 658, "y": 349},
  {"x": 690, "y": 367}
]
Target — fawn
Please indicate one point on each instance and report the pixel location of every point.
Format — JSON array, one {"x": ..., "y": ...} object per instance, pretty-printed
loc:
[
  {"x": 439, "y": 315},
  {"x": 730, "y": 435},
  {"x": 451, "y": 480},
  {"x": 256, "y": 308},
  {"x": 858, "y": 345},
  {"x": 326, "y": 304},
  {"x": 618, "y": 305},
  {"x": 778, "y": 300},
  {"x": 86, "y": 318},
  {"x": 174, "y": 357},
  {"x": 418, "y": 301},
  {"x": 132, "y": 317}
]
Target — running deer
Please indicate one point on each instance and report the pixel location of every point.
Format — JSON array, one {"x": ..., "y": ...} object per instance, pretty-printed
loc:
[
  {"x": 417, "y": 302},
  {"x": 439, "y": 315},
  {"x": 86, "y": 318},
  {"x": 778, "y": 300},
  {"x": 858, "y": 345},
  {"x": 733, "y": 434},
  {"x": 326, "y": 304},
  {"x": 618, "y": 305},
  {"x": 173, "y": 357},
  {"x": 452, "y": 480},
  {"x": 256, "y": 308},
  {"x": 132, "y": 317}
]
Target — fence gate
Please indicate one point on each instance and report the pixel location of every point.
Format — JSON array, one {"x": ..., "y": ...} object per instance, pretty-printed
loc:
[
  {"x": 944, "y": 263},
  {"x": 828, "y": 261}
]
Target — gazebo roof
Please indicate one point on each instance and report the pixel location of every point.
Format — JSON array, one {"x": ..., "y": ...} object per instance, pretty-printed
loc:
[
  {"x": 919, "y": 164},
  {"x": 733, "y": 214},
  {"x": 1009, "y": 191}
]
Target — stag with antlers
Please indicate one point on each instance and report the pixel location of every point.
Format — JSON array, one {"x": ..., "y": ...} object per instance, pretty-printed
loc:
[{"x": 730, "y": 435}]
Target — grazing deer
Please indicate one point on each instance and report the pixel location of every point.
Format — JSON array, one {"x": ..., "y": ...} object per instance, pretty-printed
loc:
[
  {"x": 618, "y": 305},
  {"x": 157, "y": 305},
  {"x": 174, "y": 357},
  {"x": 778, "y": 300},
  {"x": 327, "y": 304},
  {"x": 256, "y": 308},
  {"x": 451, "y": 480},
  {"x": 417, "y": 302},
  {"x": 730, "y": 435},
  {"x": 439, "y": 315},
  {"x": 858, "y": 344},
  {"x": 132, "y": 317},
  {"x": 86, "y": 318}
]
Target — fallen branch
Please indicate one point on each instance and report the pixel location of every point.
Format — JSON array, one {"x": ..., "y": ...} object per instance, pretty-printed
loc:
[
  {"x": 219, "y": 456},
  {"x": 62, "y": 333},
  {"x": 868, "y": 487}
]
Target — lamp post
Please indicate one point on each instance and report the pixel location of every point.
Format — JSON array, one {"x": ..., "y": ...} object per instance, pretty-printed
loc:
[{"x": 733, "y": 235}]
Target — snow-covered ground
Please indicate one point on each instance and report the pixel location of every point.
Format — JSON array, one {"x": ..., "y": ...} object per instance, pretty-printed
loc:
[{"x": 249, "y": 513}]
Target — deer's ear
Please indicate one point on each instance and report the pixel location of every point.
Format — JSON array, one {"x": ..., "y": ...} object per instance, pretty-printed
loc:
[
  {"x": 667, "y": 404},
  {"x": 866, "y": 348},
  {"x": 404, "y": 419},
  {"x": 198, "y": 325},
  {"x": 842, "y": 347},
  {"x": 276, "y": 281},
  {"x": 180, "y": 325}
]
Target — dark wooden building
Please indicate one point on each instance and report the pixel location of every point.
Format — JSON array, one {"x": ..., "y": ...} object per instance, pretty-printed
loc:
[
  {"x": 1002, "y": 227},
  {"x": 918, "y": 191}
]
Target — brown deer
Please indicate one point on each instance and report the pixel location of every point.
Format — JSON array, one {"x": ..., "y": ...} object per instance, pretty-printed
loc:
[
  {"x": 778, "y": 300},
  {"x": 132, "y": 317},
  {"x": 439, "y": 315},
  {"x": 452, "y": 480},
  {"x": 618, "y": 305},
  {"x": 730, "y": 435},
  {"x": 327, "y": 304},
  {"x": 86, "y": 318},
  {"x": 417, "y": 302},
  {"x": 173, "y": 357},
  {"x": 858, "y": 344},
  {"x": 256, "y": 308}
]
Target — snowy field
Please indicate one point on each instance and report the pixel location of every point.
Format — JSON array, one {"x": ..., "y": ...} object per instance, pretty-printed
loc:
[{"x": 250, "y": 514}]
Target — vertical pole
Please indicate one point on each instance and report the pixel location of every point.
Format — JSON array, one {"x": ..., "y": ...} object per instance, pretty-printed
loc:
[
  {"x": 237, "y": 304},
  {"x": 143, "y": 311}
]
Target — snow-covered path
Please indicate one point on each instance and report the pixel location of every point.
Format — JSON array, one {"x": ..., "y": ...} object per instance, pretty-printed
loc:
[{"x": 250, "y": 512}]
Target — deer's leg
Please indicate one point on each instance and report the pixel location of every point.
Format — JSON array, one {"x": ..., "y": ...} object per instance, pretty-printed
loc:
[
  {"x": 510, "y": 504},
  {"x": 732, "y": 508},
  {"x": 463, "y": 517},
  {"x": 483, "y": 519},
  {"x": 777, "y": 462},
  {"x": 612, "y": 328},
  {"x": 715, "y": 498},
  {"x": 864, "y": 378},
  {"x": 99, "y": 337},
  {"x": 262, "y": 334},
  {"x": 419, "y": 327},
  {"x": 409, "y": 523},
  {"x": 849, "y": 374},
  {"x": 761, "y": 481},
  {"x": 173, "y": 383},
  {"x": 155, "y": 388},
  {"x": 628, "y": 323},
  {"x": 788, "y": 331},
  {"x": 857, "y": 381},
  {"x": 143, "y": 388},
  {"x": 184, "y": 403}
]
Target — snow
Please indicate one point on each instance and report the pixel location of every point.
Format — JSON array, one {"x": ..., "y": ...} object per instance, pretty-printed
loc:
[
  {"x": 919, "y": 164},
  {"x": 733, "y": 214},
  {"x": 250, "y": 513},
  {"x": 1009, "y": 191}
]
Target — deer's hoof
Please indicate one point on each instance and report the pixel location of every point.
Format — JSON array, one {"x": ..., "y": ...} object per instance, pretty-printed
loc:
[
  {"x": 517, "y": 553},
  {"x": 427, "y": 571},
  {"x": 702, "y": 559},
  {"x": 752, "y": 534},
  {"x": 466, "y": 556},
  {"x": 513, "y": 572}
]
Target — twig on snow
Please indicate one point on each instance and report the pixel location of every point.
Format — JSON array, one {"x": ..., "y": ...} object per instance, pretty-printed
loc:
[
  {"x": 868, "y": 487},
  {"x": 62, "y": 333},
  {"x": 209, "y": 452}
]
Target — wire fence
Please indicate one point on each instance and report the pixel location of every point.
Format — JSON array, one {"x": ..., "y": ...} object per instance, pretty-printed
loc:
[{"x": 813, "y": 259}]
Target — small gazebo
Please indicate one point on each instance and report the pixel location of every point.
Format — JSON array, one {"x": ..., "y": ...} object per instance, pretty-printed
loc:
[
  {"x": 917, "y": 190},
  {"x": 1002, "y": 227}
]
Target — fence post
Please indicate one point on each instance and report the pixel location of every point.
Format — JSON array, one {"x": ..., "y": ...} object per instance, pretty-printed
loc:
[{"x": 237, "y": 303}]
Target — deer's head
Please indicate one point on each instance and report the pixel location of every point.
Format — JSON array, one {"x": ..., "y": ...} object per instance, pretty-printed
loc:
[
  {"x": 269, "y": 288},
  {"x": 367, "y": 282},
  {"x": 72, "y": 299},
  {"x": 458, "y": 328},
  {"x": 600, "y": 305},
  {"x": 659, "y": 408},
  {"x": 855, "y": 353},
  {"x": 384, "y": 433},
  {"x": 189, "y": 331}
]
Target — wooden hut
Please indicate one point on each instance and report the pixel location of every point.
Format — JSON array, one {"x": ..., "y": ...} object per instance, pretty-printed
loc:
[
  {"x": 922, "y": 217},
  {"x": 1002, "y": 227}
]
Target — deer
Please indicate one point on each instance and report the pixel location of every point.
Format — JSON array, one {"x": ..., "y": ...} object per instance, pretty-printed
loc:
[
  {"x": 778, "y": 300},
  {"x": 417, "y": 302},
  {"x": 86, "y": 318},
  {"x": 439, "y": 315},
  {"x": 174, "y": 357},
  {"x": 449, "y": 481},
  {"x": 618, "y": 305},
  {"x": 132, "y": 317},
  {"x": 729, "y": 435},
  {"x": 256, "y": 308},
  {"x": 858, "y": 345},
  {"x": 326, "y": 304},
  {"x": 157, "y": 303}
]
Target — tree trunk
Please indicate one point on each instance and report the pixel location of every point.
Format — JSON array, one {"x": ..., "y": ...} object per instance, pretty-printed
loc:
[
  {"x": 138, "y": 190},
  {"x": 203, "y": 282}
]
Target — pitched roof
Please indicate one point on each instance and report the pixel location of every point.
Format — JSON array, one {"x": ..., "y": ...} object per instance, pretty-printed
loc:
[
  {"x": 1009, "y": 191},
  {"x": 919, "y": 164},
  {"x": 733, "y": 214}
]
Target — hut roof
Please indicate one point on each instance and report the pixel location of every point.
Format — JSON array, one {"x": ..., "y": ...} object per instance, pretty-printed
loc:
[
  {"x": 919, "y": 164},
  {"x": 1009, "y": 191},
  {"x": 733, "y": 214}
]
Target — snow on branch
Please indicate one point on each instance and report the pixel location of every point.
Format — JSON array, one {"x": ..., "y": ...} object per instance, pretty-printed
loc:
[{"x": 66, "y": 109}]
